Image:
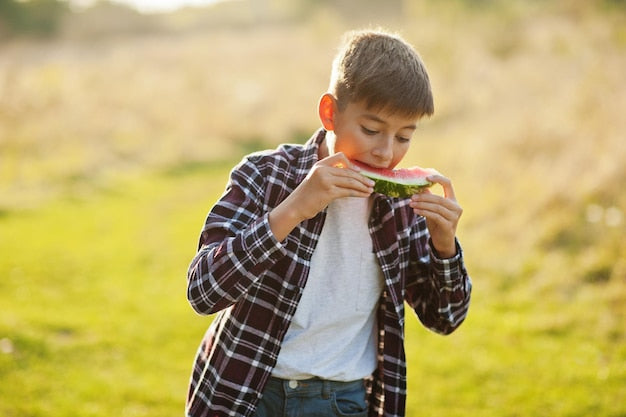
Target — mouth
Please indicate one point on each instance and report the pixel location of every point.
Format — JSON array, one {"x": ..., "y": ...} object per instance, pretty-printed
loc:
[{"x": 365, "y": 165}]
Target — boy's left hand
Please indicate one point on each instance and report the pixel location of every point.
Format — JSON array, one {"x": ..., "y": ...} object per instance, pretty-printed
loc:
[{"x": 442, "y": 215}]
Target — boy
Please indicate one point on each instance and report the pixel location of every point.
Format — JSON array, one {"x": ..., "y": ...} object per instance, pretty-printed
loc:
[{"x": 308, "y": 269}]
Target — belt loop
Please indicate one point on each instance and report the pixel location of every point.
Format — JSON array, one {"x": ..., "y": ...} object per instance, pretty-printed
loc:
[{"x": 326, "y": 389}]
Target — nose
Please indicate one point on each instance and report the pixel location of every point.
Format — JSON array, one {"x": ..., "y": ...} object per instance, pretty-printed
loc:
[{"x": 383, "y": 150}]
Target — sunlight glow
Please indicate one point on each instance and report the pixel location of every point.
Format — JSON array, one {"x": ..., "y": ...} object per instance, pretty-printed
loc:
[{"x": 153, "y": 6}]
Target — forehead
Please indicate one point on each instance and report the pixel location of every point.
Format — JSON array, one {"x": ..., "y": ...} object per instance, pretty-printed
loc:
[{"x": 382, "y": 115}]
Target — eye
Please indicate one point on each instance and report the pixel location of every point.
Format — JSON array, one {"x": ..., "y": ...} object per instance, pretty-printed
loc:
[
  {"x": 368, "y": 132},
  {"x": 402, "y": 139}
]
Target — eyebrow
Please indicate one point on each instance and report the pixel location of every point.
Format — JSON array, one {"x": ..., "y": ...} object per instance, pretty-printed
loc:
[{"x": 375, "y": 118}]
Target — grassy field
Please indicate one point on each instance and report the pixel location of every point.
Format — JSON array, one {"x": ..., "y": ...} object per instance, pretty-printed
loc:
[{"x": 113, "y": 148}]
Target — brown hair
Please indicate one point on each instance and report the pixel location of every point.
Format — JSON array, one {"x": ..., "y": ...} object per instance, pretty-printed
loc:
[{"x": 382, "y": 70}]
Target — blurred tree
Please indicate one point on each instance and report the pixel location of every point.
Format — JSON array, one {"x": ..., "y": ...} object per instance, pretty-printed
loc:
[
  {"x": 107, "y": 18},
  {"x": 616, "y": 3},
  {"x": 33, "y": 17},
  {"x": 350, "y": 9}
]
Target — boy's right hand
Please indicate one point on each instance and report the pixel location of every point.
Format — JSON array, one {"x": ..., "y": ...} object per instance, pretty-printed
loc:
[{"x": 330, "y": 178}]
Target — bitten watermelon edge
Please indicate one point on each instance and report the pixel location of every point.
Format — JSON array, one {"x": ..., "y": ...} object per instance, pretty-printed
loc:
[{"x": 402, "y": 182}]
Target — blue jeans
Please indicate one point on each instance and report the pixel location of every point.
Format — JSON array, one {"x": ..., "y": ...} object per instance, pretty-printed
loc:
[{"x": 313, "y": 398}]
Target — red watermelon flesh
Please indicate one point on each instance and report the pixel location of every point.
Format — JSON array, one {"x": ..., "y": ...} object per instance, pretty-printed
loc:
[{"x": 402, "y": 182}]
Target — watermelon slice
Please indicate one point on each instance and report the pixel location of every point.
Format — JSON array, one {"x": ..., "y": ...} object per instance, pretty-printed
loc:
[{"x": 403, "y": 182}]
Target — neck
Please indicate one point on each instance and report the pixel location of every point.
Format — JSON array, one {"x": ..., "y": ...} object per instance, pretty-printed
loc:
[{"x": 322, "y": 151}]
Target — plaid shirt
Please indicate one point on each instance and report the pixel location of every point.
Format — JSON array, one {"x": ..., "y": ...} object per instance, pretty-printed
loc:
[{"x": 254, "y": 283}]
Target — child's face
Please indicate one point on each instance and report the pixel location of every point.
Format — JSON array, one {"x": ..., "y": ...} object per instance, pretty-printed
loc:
[{"x": 376, "y": 138}]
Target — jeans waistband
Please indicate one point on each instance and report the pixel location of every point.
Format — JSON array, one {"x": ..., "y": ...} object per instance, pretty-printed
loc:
[{"x": 313, "y": 386}]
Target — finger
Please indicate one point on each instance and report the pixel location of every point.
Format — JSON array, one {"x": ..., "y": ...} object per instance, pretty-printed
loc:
[
  {"x": 333, "y": 178},
  {"x": 353, "y": 174},
  {"x": 355, "y": 181},
  {"x": 332, "y": 160},
  {"x": 449, "y": 203},
  {"x": 432, "y": 217},
  {"x": 431, "y": 210},
  {"x": 436, "y": 223},
  {"x": 338, "y": 160},
  {"x": 448, "y": 190}
]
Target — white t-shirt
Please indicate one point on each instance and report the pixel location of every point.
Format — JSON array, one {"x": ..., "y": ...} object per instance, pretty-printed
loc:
[{"x": 333, "y": 334}]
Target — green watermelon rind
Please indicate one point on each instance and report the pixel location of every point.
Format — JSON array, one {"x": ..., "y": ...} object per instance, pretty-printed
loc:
[
  {"x": 399, "y": 187},
  {"x": 396, "y": 189},
  {"x": 392, "y": 189}
]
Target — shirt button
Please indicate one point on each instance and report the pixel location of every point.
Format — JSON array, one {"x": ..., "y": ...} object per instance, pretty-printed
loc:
[{"x": 293, "y": 384}]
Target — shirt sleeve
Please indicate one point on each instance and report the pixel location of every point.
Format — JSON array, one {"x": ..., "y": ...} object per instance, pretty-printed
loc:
[
  {"x": 438, "y": 289},
  {"x": 236, "y": 244}
]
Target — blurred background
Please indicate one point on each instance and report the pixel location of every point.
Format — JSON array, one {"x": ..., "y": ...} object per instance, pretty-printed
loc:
[{"x": 120, "y": 121}]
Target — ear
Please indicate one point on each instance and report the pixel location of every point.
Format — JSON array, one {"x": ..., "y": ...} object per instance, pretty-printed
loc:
[{"x": 327, "y": 109}]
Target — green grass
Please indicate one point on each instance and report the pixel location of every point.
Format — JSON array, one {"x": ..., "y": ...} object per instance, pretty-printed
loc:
[
  {"x": 93, "y": 306},
  {"x": 93, "y": 298},
  {"x": 516, "y": 357},
  {"x": 111, "y": 153}
]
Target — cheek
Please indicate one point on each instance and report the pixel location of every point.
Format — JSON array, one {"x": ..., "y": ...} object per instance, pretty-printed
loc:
[
  {"x": 350, "y": 143},
  {"x": 399, "y": 152}
]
